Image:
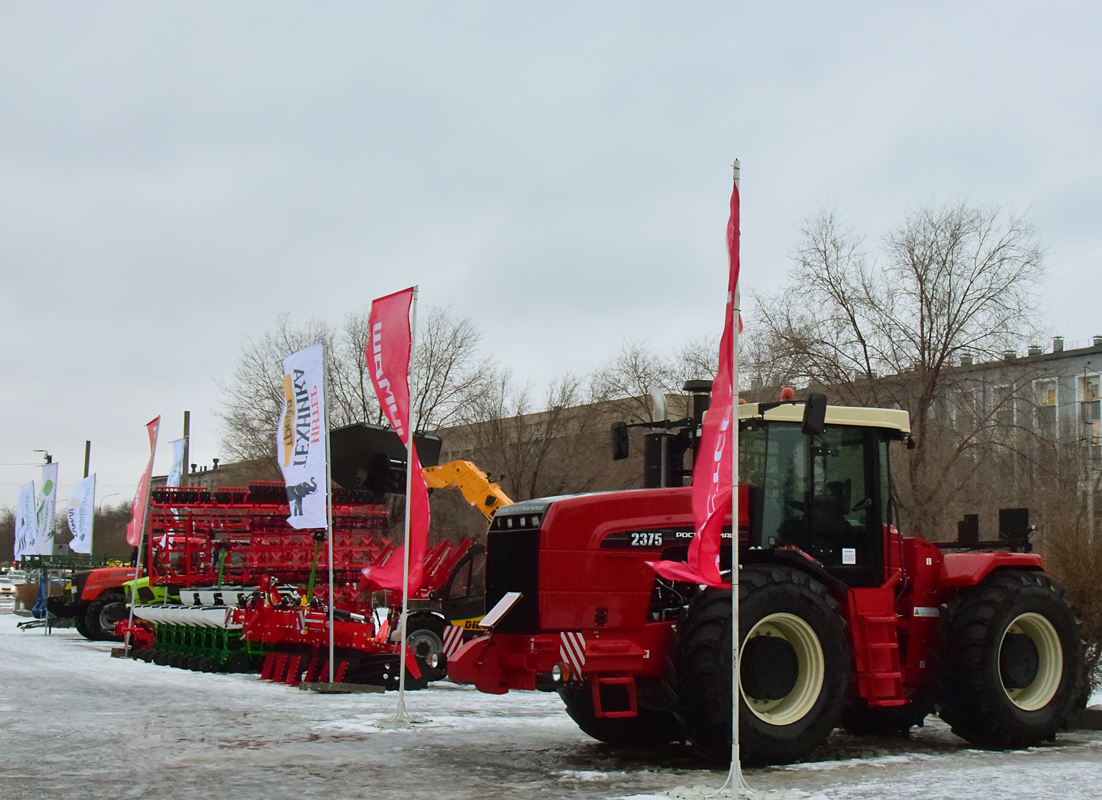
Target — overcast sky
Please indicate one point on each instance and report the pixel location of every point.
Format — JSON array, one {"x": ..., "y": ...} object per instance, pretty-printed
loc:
[{"x": 174, "y": 175}]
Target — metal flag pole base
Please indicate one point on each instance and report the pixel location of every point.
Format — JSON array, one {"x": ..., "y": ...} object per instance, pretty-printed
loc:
[
  {"x": 400, "y": 720},
  {"x": 707, "y": 793},
  {"x": 735, "y": 781}
]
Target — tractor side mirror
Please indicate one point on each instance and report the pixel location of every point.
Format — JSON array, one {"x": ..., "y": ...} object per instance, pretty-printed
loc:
[
  {"x": 815, "y": 409},
  {"x": 619, "y": 441}
]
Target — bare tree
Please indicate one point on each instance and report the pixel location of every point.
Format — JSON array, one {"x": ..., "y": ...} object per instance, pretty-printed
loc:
[
  {"x": 698, "y": 359},
  {"x": 630, "y": 375},
  {"x": 536, "y": 448},
  {"x": 950, "y": 281},
  {"x": 253, "y": 399},
  {"x": 628, "y": 378},
  {"x": 450, "y": 374}
]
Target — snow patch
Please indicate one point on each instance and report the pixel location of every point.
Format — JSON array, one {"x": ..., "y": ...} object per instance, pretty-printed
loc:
[
  {"x": 706, "y": 793},
  {"x": 877, "y": 761}
]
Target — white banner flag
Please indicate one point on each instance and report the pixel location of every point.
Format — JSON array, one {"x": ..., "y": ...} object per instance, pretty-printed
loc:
[
  {"x": 26, "y": 531},
  {"x": 46, "y": 512},
  {"x": 82, "y": 510},
  {"x": 301, "y": 438},
  {"x": 175, "y": 475}
]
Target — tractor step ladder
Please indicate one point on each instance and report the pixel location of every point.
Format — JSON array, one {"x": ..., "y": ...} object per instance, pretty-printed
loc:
[
  {"x": 613, "y": 696},
  {"x": 876, "y": 646}
]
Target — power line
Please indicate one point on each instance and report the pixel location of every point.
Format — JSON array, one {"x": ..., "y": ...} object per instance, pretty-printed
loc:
[{"x": 1069, "y": 258}]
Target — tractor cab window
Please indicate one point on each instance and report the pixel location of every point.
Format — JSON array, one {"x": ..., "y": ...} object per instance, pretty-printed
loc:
[
  {"x": 783, "y": 482},
  {"x": 469, "y": 578},
  {"x": 844, "y": 505},
  {"x": 461, "y": 582},
  {"x": 464, "y": 596},
  {"x": 818, "y": 494}
]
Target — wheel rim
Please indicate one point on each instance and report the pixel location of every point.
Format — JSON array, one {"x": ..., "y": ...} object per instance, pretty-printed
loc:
[
  {"x": 424, "y": 643},
  {"x": 1050, "y": 662},
  {"x": 795, "y": 705},
  {"x": 110, "y": 614}
]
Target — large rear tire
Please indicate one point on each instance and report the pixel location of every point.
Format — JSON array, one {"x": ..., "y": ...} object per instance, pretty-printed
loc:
[
  {"x": 103, "y": 613},
  {"x": 1009, "y": 661},
  {"x": 79, "y": 623},
  {"x": 650, "y": 727},
  {"x": 794, "y": 667}
]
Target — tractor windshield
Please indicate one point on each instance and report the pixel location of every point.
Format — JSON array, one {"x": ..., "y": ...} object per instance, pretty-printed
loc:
[{"x": 819, "y": 494}]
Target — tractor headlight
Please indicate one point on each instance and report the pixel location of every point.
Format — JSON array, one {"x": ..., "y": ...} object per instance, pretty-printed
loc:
[{"x": 560, "y": 673}]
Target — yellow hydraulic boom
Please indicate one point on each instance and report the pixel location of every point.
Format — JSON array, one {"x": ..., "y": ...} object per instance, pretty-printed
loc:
[{"x": 476, "y": 486}]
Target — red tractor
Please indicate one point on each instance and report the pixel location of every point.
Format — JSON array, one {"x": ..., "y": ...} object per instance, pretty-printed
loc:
[{"x": 843, "y": 621}]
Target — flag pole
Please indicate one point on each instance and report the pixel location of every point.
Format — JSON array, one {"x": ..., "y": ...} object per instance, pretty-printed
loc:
[
  {"x": 400, "y": 715},
  {"x": 735, "y": 779},
  {"x": 328, "y": 507}
]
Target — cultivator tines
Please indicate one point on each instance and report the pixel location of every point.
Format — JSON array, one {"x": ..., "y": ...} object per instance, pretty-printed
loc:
[{"x": 295, "y": 670}]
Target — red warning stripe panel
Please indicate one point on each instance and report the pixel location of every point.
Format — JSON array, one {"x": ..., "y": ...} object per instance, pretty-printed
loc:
[
  {"x": 572, "y": 650},
  {"x": 453, "y": 640}
]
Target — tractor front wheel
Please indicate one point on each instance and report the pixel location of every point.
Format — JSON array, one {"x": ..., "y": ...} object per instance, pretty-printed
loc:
[
  {"x": 794, "y": 667},
  {"x": 1010, "y": 661},
  {"x": 103, "y": 613}
]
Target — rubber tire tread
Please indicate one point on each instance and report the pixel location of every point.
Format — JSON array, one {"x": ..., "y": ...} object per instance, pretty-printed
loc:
[
  {"x": 648, "y": 728},
  {"x": 95, "y": 608},
  {"x": 701, "y": 673},
  {"x": 968, "y": 687},
  {"x": 79, "y": 622}
]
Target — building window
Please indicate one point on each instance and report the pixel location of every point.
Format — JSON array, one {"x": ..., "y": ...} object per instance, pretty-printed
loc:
[
  {"x": 1046, "y": 406},
  {"x": 964, "y": 410},
  {"x": 1089, "y": 405},
  {"x": 1003, "y": 410}
]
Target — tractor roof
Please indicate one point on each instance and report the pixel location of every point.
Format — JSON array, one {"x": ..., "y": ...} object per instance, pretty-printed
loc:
[{"x": 836, "y": 415}]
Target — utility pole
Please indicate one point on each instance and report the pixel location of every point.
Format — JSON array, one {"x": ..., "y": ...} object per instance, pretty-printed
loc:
[{"x": 187, "y": 445}]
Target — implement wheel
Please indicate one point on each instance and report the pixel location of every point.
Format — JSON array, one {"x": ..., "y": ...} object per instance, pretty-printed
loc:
[
  {"x": 794, "y": 667},
  {"x": 1009, "y": 661},
  {"x": 426, "y": 638}
]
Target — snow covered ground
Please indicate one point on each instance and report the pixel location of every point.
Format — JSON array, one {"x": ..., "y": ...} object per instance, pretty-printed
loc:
[{"x": 76, "y": 723}]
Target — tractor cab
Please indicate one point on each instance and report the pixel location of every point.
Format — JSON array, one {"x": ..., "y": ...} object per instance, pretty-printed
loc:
[{"x": 826, "y": 490}]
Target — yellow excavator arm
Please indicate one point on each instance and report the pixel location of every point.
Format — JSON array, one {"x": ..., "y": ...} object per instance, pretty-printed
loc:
[{"x": 477, "y": 488}]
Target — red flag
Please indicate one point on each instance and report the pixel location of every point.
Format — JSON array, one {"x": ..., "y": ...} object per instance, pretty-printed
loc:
[
  {"x": 141, "y": 494},
  {"x": 712, "y": 472},
  {"x": 388, "y": 354}
]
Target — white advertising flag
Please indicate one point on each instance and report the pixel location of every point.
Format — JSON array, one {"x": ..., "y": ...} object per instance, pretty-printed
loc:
[
  {"x": 301, "y": 438},
  {"x": 26, "y": 533},
  {"x": 82, "y": 508},
  {"x": 175, "y": 475},
  {"x": 46, "y": 512}
]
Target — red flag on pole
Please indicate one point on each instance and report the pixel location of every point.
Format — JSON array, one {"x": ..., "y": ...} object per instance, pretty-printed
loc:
[
  {"x": 388, "y": 356},
  {"x": 141, "y": 494},
  {"x": 713, "y": 469}
]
